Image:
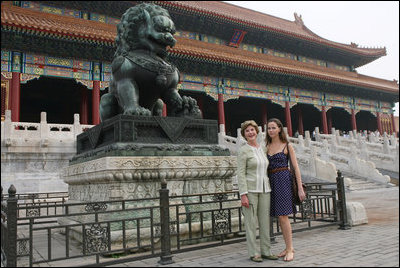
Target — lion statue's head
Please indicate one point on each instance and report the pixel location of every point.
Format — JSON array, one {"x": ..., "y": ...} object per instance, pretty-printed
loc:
[{"x": 145, "y": 26}]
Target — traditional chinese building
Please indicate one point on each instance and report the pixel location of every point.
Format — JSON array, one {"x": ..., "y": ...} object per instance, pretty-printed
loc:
[{"x": 239, "y": 64}]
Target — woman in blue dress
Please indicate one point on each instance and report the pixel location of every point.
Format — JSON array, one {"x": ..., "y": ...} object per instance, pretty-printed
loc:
[{"x": 281, "y": 181}]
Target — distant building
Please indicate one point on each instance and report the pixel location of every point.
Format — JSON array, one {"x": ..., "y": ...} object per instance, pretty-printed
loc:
[{"x": 239, "y": 64}]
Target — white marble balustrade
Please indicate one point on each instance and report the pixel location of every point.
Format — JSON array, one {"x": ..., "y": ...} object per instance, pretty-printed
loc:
[{"x": 357, "y": 154}]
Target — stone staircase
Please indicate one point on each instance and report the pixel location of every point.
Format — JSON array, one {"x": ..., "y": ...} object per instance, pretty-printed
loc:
[
  {"x": 360, "y": 183},
  {"x": 394, "y": 176}
]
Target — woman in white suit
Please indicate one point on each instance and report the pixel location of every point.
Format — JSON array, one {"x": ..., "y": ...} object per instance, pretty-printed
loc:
[{"x": 254, "y": 192}]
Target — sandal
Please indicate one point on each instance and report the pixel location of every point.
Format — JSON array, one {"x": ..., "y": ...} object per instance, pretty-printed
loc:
[
  {"x": 270, "y": 257},
  {"x": 256, "y": 259}
]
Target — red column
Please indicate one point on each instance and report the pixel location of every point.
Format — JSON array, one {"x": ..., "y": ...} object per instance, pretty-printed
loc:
[
  {"x": 353, "y": 120},
  {"x": 15, "y": 96},
  {"x": 84, "y": 107},
  {"x": 221, "y": 110},
  {"x": 300, "y": 119},
  {"x": 324, "y": 121},
  {"x": 393, "y": 125},
  {"x": 96, "y": 103},
  {"x": 329, "y": 118},
  {"x": 264, "y": 114},
  {"x": 164, "y": 110},
  {"x": 288, "y": 119},
  {"x": 378, "y": 122}
]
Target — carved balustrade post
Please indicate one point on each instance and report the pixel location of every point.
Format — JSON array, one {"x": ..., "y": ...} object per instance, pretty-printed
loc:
[
  {"x": 344, "y": 224},
  {"x": 11, "y": 252}
]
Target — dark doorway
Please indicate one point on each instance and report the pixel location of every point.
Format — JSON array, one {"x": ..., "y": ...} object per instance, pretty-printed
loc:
[
  {"x": 366, "y": 121},
  {"x": 311, "y": 117},
  {"x": 58, "y": 97},
  {"x": 244, "y": 108},
  {"x": 276, "y": 111},
  {"x": 341, "y": 119}
]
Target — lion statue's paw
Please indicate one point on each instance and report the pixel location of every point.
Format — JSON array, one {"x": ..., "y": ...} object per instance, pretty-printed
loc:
[
  {"x": 137, "y": 111},
  {"x": 190, "y": 108}
]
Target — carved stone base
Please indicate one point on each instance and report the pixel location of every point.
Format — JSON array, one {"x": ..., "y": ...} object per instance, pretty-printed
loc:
[
  {"x": 118, "y": 178},
  {"x": 127, "y": 157},
  {"x": 111, "y": 178}
]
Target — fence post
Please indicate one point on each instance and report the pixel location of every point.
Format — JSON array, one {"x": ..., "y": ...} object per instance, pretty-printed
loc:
[
  {"x": 344, "y": 224},
  {"x": 166, "y": 257},
  {"x": 12, "y": 227}
]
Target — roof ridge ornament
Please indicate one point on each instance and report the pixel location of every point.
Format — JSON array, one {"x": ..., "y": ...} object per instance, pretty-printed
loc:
[{"x": 298, "y": 19}]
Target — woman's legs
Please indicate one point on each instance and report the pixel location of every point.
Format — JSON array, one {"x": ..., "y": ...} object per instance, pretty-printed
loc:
[
  {"x": 287, "y": 236},
  {"x": 264, "y": 223},
  {"x": 250, "y": 220}
]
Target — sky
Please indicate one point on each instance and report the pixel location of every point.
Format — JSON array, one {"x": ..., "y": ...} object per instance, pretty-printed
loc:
[{"x": 366, "y": 23}]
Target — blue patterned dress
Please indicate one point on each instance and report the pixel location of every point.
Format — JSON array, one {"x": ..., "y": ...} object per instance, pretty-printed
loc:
[{"x": 281, "y": 185}]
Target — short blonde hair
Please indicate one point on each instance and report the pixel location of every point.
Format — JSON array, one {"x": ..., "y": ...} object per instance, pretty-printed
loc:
[{"x": 245, "y": 125}]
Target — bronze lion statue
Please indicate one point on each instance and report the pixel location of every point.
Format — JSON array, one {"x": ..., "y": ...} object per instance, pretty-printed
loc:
[{"x": 141, "y": 77}]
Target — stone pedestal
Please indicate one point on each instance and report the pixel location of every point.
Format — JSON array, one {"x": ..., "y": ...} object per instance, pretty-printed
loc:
[{"x": 127, "y": 157}]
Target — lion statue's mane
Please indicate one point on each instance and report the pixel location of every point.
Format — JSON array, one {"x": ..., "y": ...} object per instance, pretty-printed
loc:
[
  {"x": 128, "y": 29},
  {"x": 142, "y": 80}
]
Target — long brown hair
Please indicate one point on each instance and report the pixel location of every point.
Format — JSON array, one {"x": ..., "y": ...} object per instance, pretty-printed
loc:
[{"x": 282, "y": 134}]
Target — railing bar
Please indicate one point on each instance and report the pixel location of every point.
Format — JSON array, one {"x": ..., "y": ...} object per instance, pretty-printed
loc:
[
  {"x": 123, "y": 234},
  {"x": 138, "y": 232},
  {"x": 178, "y": 246},
  {"x": 201, "y": 225},
  {"x": 67, "y": 241},
  {"x": 152, "y": 231},
  {"x": 190, "y": 225},
  {"x": 109, "y": 236},
  {"x": 230, "y": 221},
  {"x": 83, "y": 240},
  {"x": 330, "y": 208},
  {"x": 212, "y": 224},
  {"x": 321, "y": 201},
  {"x": 240, "y": 219},
  {"x": 49, "y": 243},
  {"x": 314, "y": 208},
  {"x": 30, "y": 242}
]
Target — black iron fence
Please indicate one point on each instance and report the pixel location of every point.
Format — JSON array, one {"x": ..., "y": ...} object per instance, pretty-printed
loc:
[{"x": 49, "y": 228}]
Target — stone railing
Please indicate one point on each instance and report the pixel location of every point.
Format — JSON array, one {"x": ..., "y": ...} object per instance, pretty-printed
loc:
[
  {"x": 40, "y": 137},
  {"x": 356, "y": 154},
  {"x": 33, "y": 155}
]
